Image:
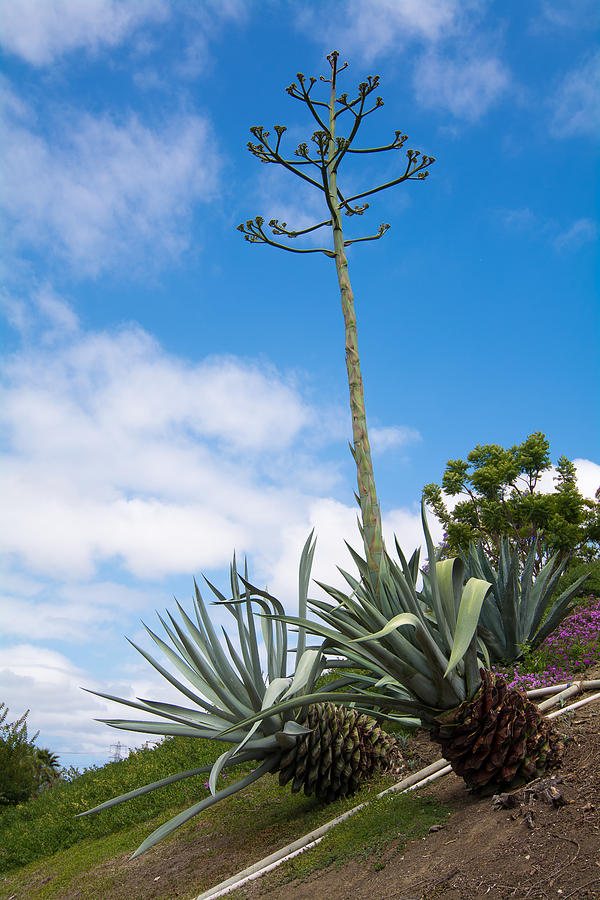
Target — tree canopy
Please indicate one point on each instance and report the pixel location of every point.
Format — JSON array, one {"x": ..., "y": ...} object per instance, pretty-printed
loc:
[
  {"x": 24, "y": 767},
  {"x": 499, "y": 496}
]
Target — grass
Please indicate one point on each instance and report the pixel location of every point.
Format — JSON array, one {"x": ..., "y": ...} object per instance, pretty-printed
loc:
[
  {"x": 47, "y": 853},
  {"x": 47, "y": 823}
]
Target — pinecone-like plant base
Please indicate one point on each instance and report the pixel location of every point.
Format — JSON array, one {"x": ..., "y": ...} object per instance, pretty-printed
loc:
[
  {"x": 498, "y": 738},
  {"x": 344, "y": 748}
]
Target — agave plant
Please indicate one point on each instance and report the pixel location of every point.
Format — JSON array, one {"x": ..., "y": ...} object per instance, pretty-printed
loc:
[
  {"x": 432, "y": 666},
  {"x": 518, "y": 612},
  {"x": 320, "y": 748}
]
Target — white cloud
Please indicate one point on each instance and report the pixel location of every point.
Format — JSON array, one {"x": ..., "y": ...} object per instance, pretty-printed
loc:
[
  {"x": 387, "y": 437},
  {"x": 381, "y": 26},
  {"x": 580, "y": 232},
  {"x": 576, "y": 101},
  {"x": 50, "y": 685},
  {"x": 104, "y": 191},
  {"x": 466, "y": 86},
  {"x": 454, "y": 71},
  {"x": 588, "y": 478},
  {"x": 122, "y": 452},
  {"x": 40, "y": 31},
  {"x": 519, "y": 219},
  {"x": 335, "y": 524},
  {"x": 565, "y": 14},
  {"x": 76, "y": 612}
]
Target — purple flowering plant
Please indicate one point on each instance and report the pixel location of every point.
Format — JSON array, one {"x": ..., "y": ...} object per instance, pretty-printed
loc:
[{"x": 565, "y": 654}]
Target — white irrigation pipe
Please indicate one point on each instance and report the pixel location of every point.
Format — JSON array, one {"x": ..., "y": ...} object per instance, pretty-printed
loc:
[
  {"x": 418, "y": 779},
  {"x": 554, "y": 688},
  {"x": 573, "y": 706},
  {"x": 412, "y": 782}
]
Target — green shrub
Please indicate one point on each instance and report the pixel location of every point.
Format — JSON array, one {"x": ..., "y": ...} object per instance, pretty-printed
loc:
[
  {"x": 576, "y": 569},
  {"x": 17, "y": 760}
]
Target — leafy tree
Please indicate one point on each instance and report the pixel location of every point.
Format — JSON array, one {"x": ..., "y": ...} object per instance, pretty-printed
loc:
[
  {"x": 318, "y": 165},
  {"x": 17, "y": 754},
  {"x": 24, "y": 768},
  {"x": 500, "y": 495},
  {"x": 47, "y": 767}
]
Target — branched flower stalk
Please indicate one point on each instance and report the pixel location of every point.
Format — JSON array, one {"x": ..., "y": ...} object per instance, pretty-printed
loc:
[{"x": 319, "y": 166}]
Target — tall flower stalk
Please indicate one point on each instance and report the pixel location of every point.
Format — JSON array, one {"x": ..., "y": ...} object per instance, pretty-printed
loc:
[{"x": 325, "y": 157}]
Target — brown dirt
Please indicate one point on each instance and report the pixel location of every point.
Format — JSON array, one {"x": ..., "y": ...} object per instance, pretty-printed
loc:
[{"x": 533, "y": 850}]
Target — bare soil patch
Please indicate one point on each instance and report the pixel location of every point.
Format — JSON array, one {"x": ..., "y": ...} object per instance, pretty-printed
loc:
[{"x": 533, "y": 851}]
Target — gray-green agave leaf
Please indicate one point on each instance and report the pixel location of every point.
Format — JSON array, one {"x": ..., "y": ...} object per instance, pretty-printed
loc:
[
  {"x": 415, "y": 665},
  {"x": 318, "y": 747},
  {"x": 520, "y": 610}
]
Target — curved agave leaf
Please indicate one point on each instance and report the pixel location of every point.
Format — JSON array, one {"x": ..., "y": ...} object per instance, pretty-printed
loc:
[
  {"x": 188, "y": 814},
  {"x": 473, "y": 594},
  {"x": 228, "y": 687},
  {"x": 519, "y": 610}
]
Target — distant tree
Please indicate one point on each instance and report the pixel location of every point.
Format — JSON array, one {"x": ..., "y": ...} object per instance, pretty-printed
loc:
[
  {"x": 501, "y": 498},
  {"x": 24, "y": 768},
  {"x": 47, "y": 768},
  {"x": 17, "y": 754}
]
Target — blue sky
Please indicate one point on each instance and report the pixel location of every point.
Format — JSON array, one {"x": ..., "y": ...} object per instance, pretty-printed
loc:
[{"x": 172, "y": 393}]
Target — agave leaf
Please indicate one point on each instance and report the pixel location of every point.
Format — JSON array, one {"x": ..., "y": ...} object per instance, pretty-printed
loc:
[
  {"x": 559, "y": 610},
  {"x": 386, "y": 681},
  {"x": 508, "y": 596},
  {"x": 341, "y": 697},
  {"x": 267, "y": 627},
  {"x": 135, "y": 704},
  {"x": 281, "y": 640},
  {"x": 191, "y": 674},
  {"x": 188, "y": 814},
  {"x": 413, "y": 565},
  {"x": 399, "y": 649},
  {"x": 527, "y": 584},
  {"x": 212, "y": 720},
  {"x": 277, "y": 645},
  {"x": 407, "y": 590},
  {"x": 212, "y": 650},
  {"x": 306, "y": 561},
  {"x": 273, "y": 692},
  {"x": 306, "y": 672},
  {"x": 225, "y": 758},
  {"x": 396, "y": 622},
  {"x": 474, "y": 593},
  {"x": 198, "y": 682},
  {"x": 483, "y": 651},
  {"x": 212, "y": 686},
  {"x": 138, "y": 792},
  {"x": 253, "y": 694},
  {"x": 490, "y": 639},
  {"x": 210, "y": 664},
  {"x": 179, "y": 646},
  {"x": 170, "y": 728},
  {"x": 436, "y": 601},
  {"x": 450, "y": 581},
  {"x": 542, "y": 590},
  {"x": 361, "y": 564}
]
